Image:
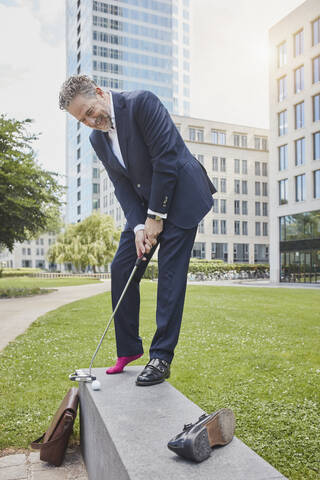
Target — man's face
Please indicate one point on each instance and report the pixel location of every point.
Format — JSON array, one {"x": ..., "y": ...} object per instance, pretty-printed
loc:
[{"x": 94, "y": 111}]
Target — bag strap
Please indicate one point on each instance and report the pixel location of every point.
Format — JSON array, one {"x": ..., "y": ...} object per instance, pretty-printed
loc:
[{"x": 37, "y": 445}]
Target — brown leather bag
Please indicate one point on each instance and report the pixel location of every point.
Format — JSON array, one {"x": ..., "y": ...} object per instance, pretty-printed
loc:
[{"x": 53, "y": 443}]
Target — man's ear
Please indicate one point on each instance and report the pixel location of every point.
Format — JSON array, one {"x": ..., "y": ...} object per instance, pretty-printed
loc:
[{"x": 99, "y": 92}]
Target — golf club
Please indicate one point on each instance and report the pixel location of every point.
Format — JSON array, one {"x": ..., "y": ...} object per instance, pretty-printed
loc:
[{"x": 87, "y": 376}]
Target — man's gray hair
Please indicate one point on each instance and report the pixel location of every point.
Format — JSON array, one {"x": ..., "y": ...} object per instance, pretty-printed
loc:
[{"x": 73, "y": 86}]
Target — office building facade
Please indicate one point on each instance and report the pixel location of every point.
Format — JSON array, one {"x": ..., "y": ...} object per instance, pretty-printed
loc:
[
  {"x": 295, "y": 146},
  {"x": 236, "y": 230},
  {"x": 122, "y": 45}
]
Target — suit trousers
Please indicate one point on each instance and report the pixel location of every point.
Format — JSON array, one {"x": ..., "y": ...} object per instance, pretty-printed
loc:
[{"x": 175, "y": 245}]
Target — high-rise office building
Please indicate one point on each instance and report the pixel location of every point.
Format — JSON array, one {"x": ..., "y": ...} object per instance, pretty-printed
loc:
[
  {"x": 236, "y": 230},
  {"x": 295, "y": 146},
  {"x": 122, "y": 45}
]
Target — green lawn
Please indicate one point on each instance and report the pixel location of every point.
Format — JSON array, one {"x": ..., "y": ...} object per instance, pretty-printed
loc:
[
  {"x": 255, "y": 350},
  {"x": 26, "y": 286}
]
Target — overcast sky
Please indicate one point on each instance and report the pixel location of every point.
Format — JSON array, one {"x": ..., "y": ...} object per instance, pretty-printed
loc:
[{"x": 229, "y": 78}]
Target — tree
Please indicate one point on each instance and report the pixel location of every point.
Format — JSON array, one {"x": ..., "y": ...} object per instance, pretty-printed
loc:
[
  {"x": 91, "y": 242},
  {"x": 29, "y": 196}
]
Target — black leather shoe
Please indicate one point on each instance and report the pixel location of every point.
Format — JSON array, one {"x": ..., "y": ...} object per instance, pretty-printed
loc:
[
  {"x": 156, "y": 371},
  {"x": 197, "y": 439}
]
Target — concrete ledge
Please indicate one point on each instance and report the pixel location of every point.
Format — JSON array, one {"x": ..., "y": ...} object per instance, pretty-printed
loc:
[{"x": 125, "y": 430}]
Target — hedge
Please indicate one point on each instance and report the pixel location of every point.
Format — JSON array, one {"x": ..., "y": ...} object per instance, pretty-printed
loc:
[{"x": 18, "y": 272}]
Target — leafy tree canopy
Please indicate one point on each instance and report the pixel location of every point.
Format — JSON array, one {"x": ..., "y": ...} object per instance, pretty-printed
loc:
[
  {"x": 91, "y": 242},
  {"x": 29, "y": 196}
]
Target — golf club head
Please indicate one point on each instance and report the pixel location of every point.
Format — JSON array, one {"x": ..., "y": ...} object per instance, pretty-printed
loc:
[{"x": 81, "y": 376}]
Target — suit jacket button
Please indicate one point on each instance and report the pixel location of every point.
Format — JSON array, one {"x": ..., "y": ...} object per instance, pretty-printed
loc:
[{"x": 138, "y": 185}]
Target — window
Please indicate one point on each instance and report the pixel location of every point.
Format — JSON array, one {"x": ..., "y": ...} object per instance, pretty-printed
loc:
[
  {"x": 236, "y": 140},
  {"x": 258, "y": 229},
  {"x": 78, "y": 138},
  {"x": 215, "y": 182},
  {"x": 282, "y": 88},
  {"x": 219, "y": 251},
  {"x": 257, "y": 190},
  {"x": 199, "y": 250},
  {"x": 316, "y": 108},
  {"x": 316, "y": 32},
  {"x": 237, "y": 207},
  {"x": 257, "y": 208},
  {"x": 300, "y": 188},
  {"x": 244, "y": 185},
  {"x": 78, "y": 210},
  {"x": 215, "y": 227},
  {"x": 257, "y": 143},
  {"x": 218, "y": 137},
  {"x": 244, "y": 207},
  {"x": 283, "y": 157},
  {"x": 298, "y": 43},
  {"x": 244, "y": 228},
  {"x": 78, "y": 182},
  {"x": 244, "y": 167},
  {"x": 78, "y": 196},
  {"x": 283, "y": 123},
  {"x": 237, "y": 186},
  {"x": 244, "y": 141},
  {"x": 265, "y": 229},
  {"x": 23, "y": 251},
  {"x": 215, "y": 206},
  {"x": 223, "y": 205},
  {"x": 282, "y": 54},
  {"x": 78, "y": 153},
  {"x": 265, "y": 209},
  {"x": 78, "y": 167},
  {"x": 95, "y": 173},
  {"x": 237, "y": 227},
  {"x": 215, "y": 164},
  {"x": 257, "y": 168},
  {"x": 223, "y": 185},
  {"x": 283, "y": 191},
  {"x": 316, "y": 69},
  {"x": 299, "y": 79},
  {"x": 299, "y": 115},
  {"x": 201, "y": 227},
  {"x": 236, "y": 165},
  {"x": 96, "y": 188},
  {"x": 264, "y": 189},
  {"x": 223, "y": 227},
  {"x": 196, "y": 134},
  {"x": 300, "y": 156},
  {"x": 316, "y": 146},
  {"x": 222, "y": 164},
  {"x": 240, "y": 252},
  {"x": 200, "y": 158},
  {"x": 264, "y": 169},
  {"x": 316, "y": 184},
  {"x": 264, "y": 144}
]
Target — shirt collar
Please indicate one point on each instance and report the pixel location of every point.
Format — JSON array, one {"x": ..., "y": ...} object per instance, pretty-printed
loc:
[{"x": 113, "y": 118}]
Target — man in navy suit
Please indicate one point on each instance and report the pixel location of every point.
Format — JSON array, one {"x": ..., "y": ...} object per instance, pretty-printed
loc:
[{"x": 164, "y": 193}]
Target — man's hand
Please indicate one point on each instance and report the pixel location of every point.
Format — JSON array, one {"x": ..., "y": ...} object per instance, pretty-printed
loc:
[
  {"x": 152, "y": 230},
  {"x": 143, "y": 245}
]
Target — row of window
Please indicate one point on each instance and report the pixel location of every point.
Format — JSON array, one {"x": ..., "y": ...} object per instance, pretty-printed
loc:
[
  {"x": 237, "y": 204},
  {"x": 298, "y": 43},
  {"x": 219, "y": 227},
  {"x": 131, "y": 72},
  {"x": 299, "y": 151},
  {"x": 133, "y": 29},
  {"x": 132, "y": 57},
  {"x": 240, "y": 186},
  {"x": 299, "y": 116},
  {"x": 240, "y": 251},
  {"x": 298, "y": 79},
  {"x": 38, "y": 251},
  {"x": 159, "y": 6},
  {"x": 300, "y": 187},
  {"x": 219, "y": 137},
  {"x": 132, "y": 14},
  {"x": 134, "y": 43},
  {"x": 163, "y": 92}
]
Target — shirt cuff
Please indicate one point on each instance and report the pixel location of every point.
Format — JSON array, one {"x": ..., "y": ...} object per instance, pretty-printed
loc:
[
  {"x": 138, "y": 227},
  {"x": 162, "y": 215}
]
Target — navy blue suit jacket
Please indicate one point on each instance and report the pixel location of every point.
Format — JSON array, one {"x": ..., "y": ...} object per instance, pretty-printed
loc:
[{"x": 161, "y": 172}]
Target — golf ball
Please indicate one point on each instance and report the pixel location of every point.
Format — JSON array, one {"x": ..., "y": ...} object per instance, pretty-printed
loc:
[{"x": 96, "y": 385}]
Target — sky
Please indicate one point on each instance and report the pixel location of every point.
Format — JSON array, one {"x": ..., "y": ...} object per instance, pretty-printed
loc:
[{"x": 229, "y": 62}]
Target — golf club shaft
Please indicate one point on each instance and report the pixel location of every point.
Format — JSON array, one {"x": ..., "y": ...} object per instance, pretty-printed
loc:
[{"x": 138, "y": 262}]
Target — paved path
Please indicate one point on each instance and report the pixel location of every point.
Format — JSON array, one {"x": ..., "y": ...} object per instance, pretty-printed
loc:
[
  {"x": 16, "y": 314},
  {"x": 254, "y": 283}
]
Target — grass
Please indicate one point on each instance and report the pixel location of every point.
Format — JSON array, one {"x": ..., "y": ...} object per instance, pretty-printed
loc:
[
  {"x": 26, "y": 286},
  {"x": 253, "y": 350}
]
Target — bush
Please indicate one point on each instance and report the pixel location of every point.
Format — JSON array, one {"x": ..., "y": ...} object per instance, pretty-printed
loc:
[
  {"x": 19, "y": 272},
  {"x": 23, "y": 292}
]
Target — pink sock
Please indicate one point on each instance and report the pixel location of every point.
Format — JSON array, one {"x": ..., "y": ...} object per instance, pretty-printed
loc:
[{"x": 122, "y": 362}]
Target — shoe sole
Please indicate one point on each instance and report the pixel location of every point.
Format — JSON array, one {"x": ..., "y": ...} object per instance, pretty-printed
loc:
[
  {"x": 218, "y": 430},
  {"x": 146, "y": 384}
]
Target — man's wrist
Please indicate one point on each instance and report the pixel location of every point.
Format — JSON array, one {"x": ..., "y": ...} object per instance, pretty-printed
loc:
[
  {"x": 154, "y": 217},
  {"x": 138, "y": 227}
]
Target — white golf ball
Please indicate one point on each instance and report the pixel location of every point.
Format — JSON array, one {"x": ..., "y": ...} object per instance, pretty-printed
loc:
[{"x": 96, "y": 385}]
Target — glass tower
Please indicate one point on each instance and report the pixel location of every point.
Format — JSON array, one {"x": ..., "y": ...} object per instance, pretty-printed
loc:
[{"x": 122, "y": 45}]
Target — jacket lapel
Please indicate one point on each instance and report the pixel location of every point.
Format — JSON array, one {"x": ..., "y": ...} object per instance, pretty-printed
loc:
[{"x": 121, "y": 116}]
